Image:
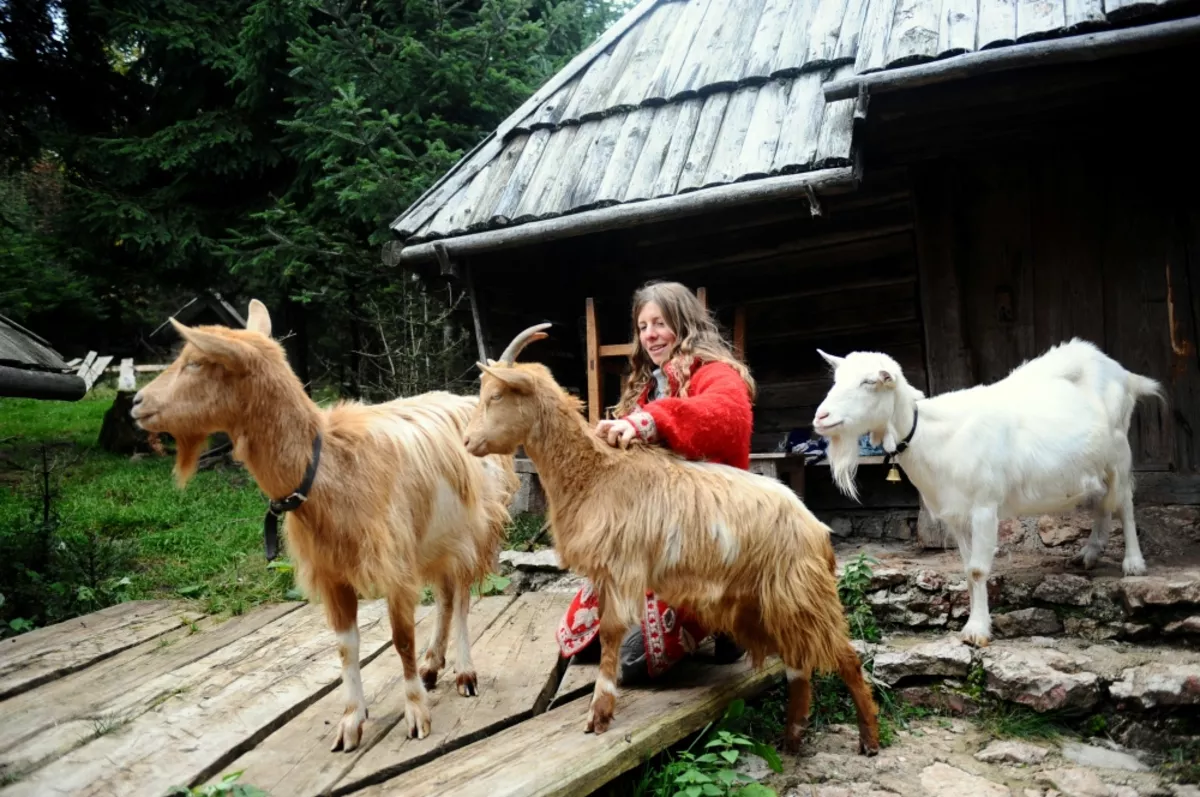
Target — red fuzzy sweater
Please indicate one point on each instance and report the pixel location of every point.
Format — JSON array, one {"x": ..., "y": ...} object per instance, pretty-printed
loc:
[{"x": 712, "y": 423}]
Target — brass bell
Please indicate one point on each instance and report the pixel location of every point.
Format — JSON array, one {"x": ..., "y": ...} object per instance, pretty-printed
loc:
[{"x": 893, "y": 474}]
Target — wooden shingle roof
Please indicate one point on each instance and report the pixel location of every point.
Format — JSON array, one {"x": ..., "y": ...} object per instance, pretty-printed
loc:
[{"x": 687, "y": 95}]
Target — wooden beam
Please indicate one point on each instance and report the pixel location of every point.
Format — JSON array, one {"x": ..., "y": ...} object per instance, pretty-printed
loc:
[
  {"x": 616, "y": 350},
  {"x": 639, "y": 213},
  {"x": 1073, "y": 49},
  {"x": 23, "y": 383},
  {"x": 702, "y": 295},
  {"x": 594, "y": 374}
]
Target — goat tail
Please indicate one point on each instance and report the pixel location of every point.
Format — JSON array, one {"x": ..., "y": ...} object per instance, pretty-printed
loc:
[{"x": 1141, "y": 386}]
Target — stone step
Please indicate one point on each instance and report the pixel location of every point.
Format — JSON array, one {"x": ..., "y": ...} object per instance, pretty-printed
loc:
[
  {"x": 1067, "y": 675},
  {"x": 1033, "y": 594}
]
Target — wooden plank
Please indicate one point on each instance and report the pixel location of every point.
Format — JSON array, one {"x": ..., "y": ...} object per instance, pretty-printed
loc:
[
  {"x": 914, "y": 34},
  {"x": 1182, "y": 301},
  {"x": 739, "y": 332},
  {"x": 94, "y": 371},
  {"x": 127, "y": 378},
  {"x": 578, "y": 680},
  {"x": 296, "y": 759},
  {"x": 724, "y": 66},
  {"x": 763, "y": 131},
  {"x": 802, "y": 121},
  {"x": 948, "y": 358},
  {"x": 616, "y": 350},
  {"x": 499, "y": 173},
  {"x": 727, "y": 149},
  {"x": 619, "y": 168},
  {"x": 209, "y": 711},
  {"x": 519, "y": 665},
  {"x": 1038, "y": 18},
  {"x": 585, "y": 104},
  {"x": 873, "y": 41},
  {"x": 764, "y": 43},
  {"x": 595, "y": 163},
  {"x": 852, "y": 24},
  {"x": 653, "y": 35},
  {"x": 653, "y": 154},
  {"x": 837, "y": 130},
  {"x": 708, "y": 127},
  {"x": 997, "y": 23},
  {"x": 48, "y": 653},
  {"x": 677, "y": 151},
  {"x": 823, "y": 32},
  {"x": 1081, "y": 13},
  {"x": 789, "y": 58},
  {"x": 551, "y": 111},
  {"x": 594, "y": 375},
  {"x": 957, "y": 32},
  {"x": 556, "y": 200},
  {"x": 546, "y": 177},
  {"x": 1163, "y": 487},
  {"x": 571, "y": 762},
  {"x": 707, "y": 38},
  {"x": 677, "y": 46},
  {"x": 518, "y": 181},
  {"x": 47, "y": 722}
]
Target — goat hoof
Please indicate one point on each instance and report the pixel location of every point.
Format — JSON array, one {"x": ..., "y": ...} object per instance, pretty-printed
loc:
[
  {"x": 793, "y": 743},
  {"x": 868, "y": 747},
  {"x": 419, "y": 723},
  {"x": 428, "y": 677},
  {"x": 349, "y": 731},
  {"x": 1086, "y": 558},
  {"x": 1134, "y": 567},
  {"x": 468, "y": 686}
]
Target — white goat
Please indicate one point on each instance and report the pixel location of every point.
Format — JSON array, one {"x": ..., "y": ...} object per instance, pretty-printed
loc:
[{"x": 1049, "y": 437}]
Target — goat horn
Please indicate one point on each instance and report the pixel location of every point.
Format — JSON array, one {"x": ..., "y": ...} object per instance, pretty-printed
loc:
[{"x": 521, "y": 341}]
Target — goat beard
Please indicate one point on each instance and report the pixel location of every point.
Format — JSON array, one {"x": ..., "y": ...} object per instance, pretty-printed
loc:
[
  {"x": 843, "y": 461},
  {"x": 187, "y": 456}
]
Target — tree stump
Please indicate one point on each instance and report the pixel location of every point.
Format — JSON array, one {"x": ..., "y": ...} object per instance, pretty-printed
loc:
[{"x": 118, "y": 433}]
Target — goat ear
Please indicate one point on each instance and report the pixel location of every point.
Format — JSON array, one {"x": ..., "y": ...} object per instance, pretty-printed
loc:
[
  {"x": 886, "y": 379},
  {"x": 832, "y": 359},
  {"x": 219, "y": 348},
  {"x": 514, "y": 379},
  {"x": 258, "y": 319}
]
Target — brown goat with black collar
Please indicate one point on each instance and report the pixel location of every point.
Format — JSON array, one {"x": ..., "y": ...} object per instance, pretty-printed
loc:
[{"x": 396, "y": 501}]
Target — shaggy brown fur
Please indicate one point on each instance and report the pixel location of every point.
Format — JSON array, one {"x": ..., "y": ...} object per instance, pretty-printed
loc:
[
  {"x": 739, "y": 549},
  {"x": 396, "y": 502}
]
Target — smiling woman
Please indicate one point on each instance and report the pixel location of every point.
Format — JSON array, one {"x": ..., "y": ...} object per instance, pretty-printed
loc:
[{"x": 689, "y": 393}]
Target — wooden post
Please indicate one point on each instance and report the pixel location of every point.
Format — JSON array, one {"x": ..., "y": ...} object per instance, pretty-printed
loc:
[
  {"x": 594, "y": 374},
  {"x": 476, "y": 316},
  {"x": 739, "y": 332},
  {"x": 702, "y": 295}
]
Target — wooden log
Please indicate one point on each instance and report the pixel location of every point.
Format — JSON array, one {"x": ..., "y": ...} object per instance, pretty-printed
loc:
[
  {"x": 724, "y": 64},
  {"x": 518, "y": 182},
  {"x": 793, "y": 44},
  {"x": 1084, "y": 48},
  {"x": 848, "y": 35},
  {"x": 764, "y": 43},
  {"x": 1082, "y": 13},
  {"x": 761, "y": 137},
  {"x": 724, "y": 162},
  {"x": 823, "y": 32},
  {"x": 629, "y": 89},
  {"x": 837, "y": 130},
  {"x": 873, "y": 41},
  {"x": 23, "y": 383},
  {"x": 296, "y": 760},
  {"x": 499, "y": 173},
  {"x": 592, "y": 169},
  {"x": 802, "y": 121},
  {"x": 49, "y": 653},
  {"x": 640, "y": 213},
  {"x": 481, "y": 339},
  {"x": 625, "y": 156},
  {"x": 548, "y": 178},
  {"x": 667, "y": 180},
  {"x": 997, "y": 24},
  {"x": 49, "y": 721},
  {"x": 587, "y": 99},
  {"x": 237, "y": 696},
  {"x": 677, "y": 47},
  {"x": 571, "y": 762},
  {"x": 653, "y": 154},
  {"x": 739, "y": 332}
]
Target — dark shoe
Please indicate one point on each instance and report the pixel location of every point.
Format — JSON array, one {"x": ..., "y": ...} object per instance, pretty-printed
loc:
[{"x": 725, "y": 650}]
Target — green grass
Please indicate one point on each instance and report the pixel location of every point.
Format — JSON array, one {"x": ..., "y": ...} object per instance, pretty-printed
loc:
[{"x": 122, "y": 530}]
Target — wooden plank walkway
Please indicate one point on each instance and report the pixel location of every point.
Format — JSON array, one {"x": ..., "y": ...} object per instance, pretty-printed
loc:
[{"x": 145, "y": 696}]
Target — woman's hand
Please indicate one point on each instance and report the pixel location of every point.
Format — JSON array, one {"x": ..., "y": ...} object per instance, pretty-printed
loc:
[{"x": 618, "y": 433}]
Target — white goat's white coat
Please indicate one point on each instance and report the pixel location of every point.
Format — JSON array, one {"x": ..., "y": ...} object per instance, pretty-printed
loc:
[{"x": 1049, "y": 437}]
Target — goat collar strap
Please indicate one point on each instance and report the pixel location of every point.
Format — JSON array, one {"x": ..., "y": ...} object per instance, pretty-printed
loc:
[
  {"x": 902, "y": 446},
  {"x": 277, "y": 507}
]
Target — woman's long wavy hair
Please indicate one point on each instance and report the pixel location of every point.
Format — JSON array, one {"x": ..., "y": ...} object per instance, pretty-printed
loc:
[{"x": 696, "y": 335}]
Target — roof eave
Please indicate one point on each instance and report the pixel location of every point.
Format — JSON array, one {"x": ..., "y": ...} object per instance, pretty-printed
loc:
[
  {"x": 632, "y": 214},
  {"x": 1072, "y": 49}
]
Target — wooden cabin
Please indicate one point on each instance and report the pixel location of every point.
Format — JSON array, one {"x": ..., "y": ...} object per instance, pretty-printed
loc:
[{"x": 960, "y": 185}]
